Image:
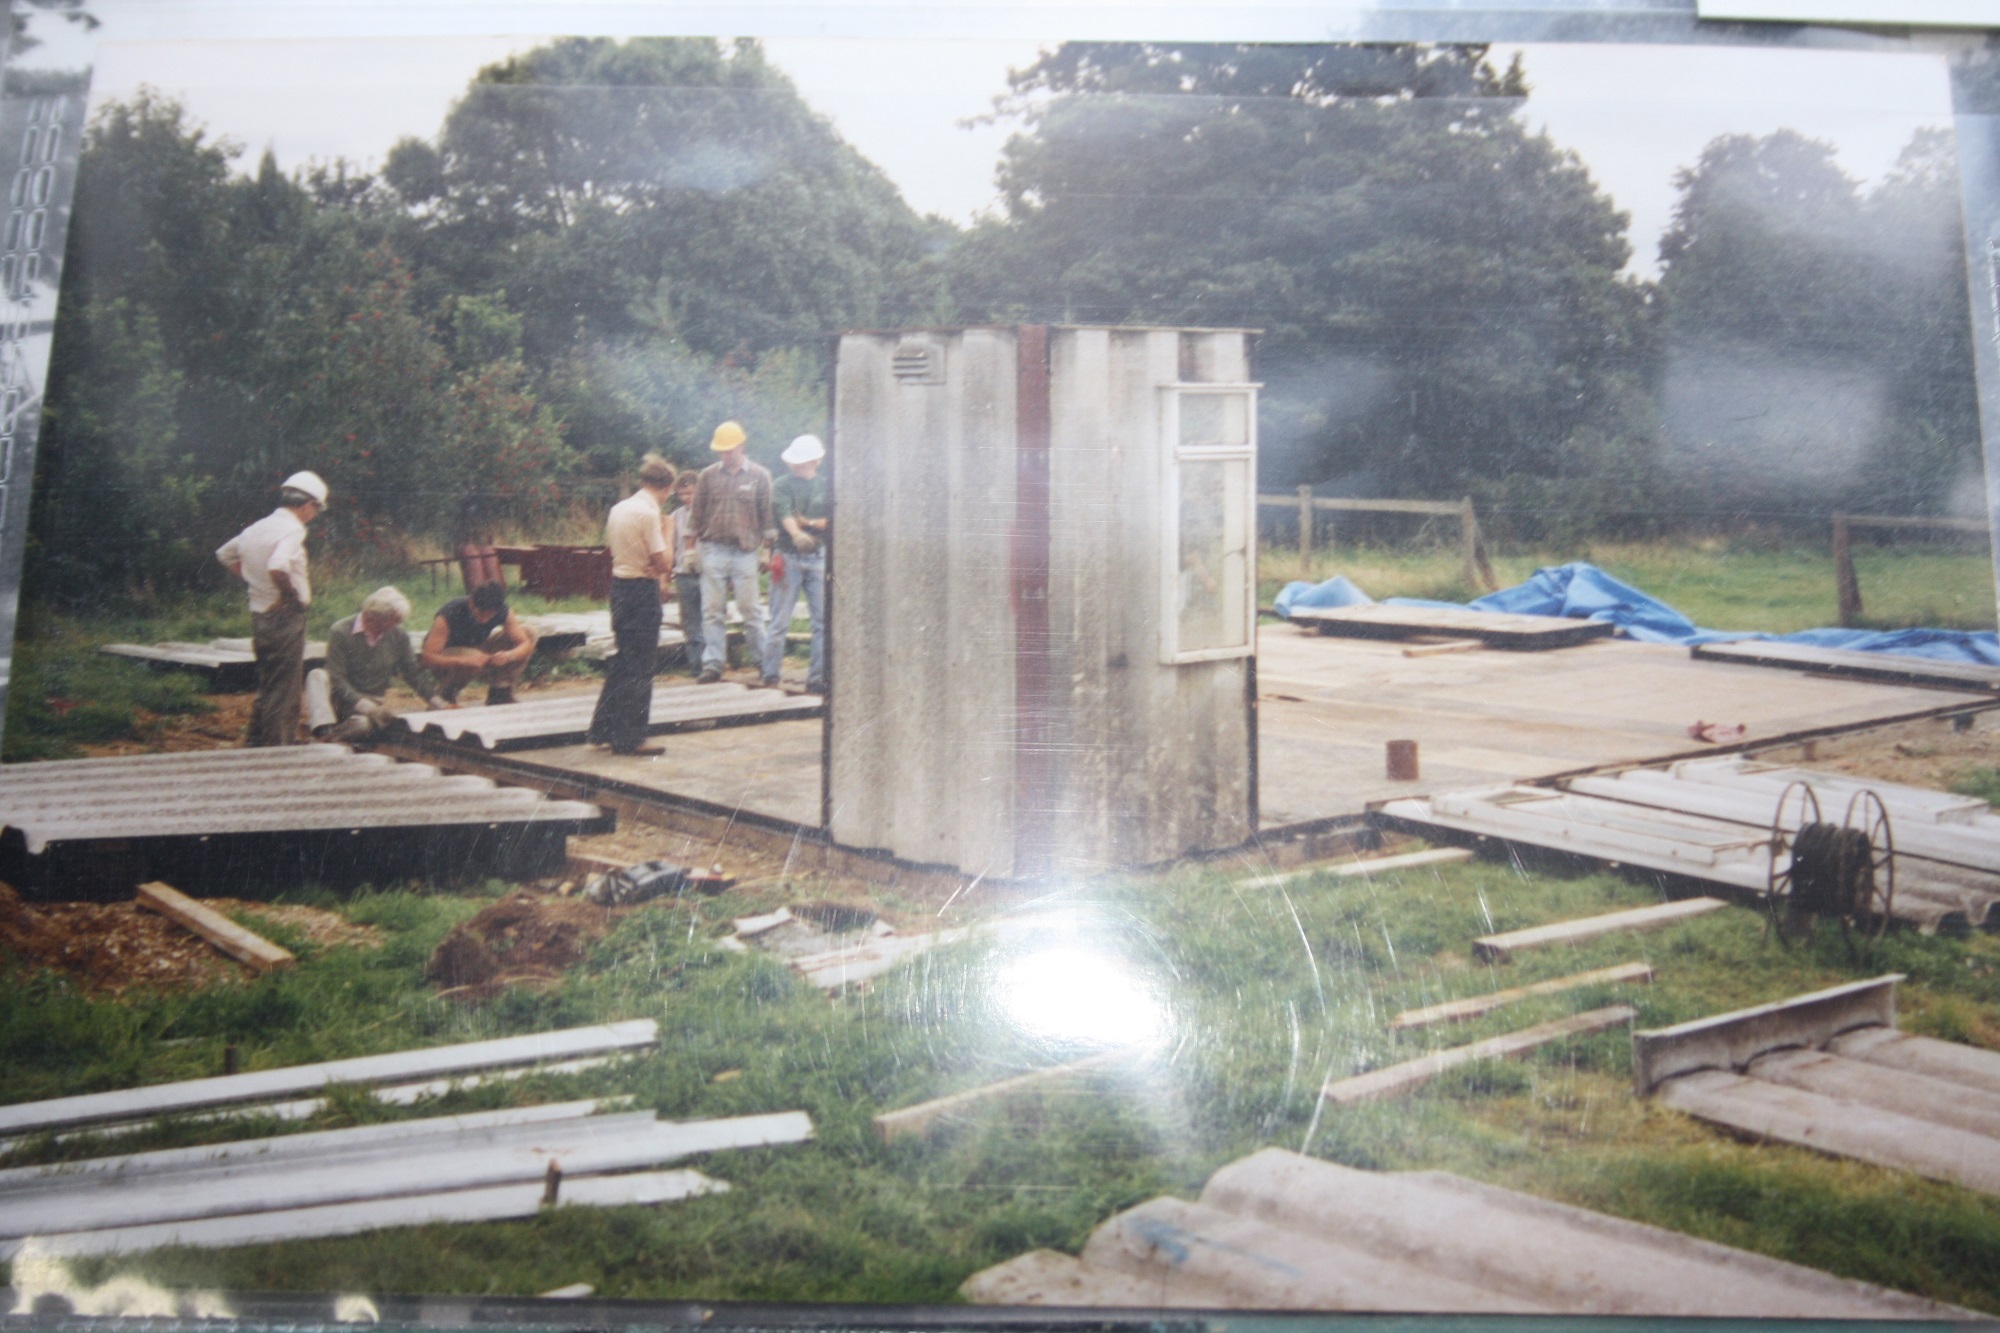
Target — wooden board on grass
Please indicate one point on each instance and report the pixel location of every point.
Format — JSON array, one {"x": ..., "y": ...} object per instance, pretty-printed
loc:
[
  {"x": 1455, "y": 1011},
  {"x": 246, "y": 946},
  {"x": 1412, "y": 1074},
  {"x": 1500, "y": 948}
]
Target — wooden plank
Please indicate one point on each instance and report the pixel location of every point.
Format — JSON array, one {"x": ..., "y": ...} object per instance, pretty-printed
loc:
[
  {"x": 489, "y": 1204},
  {"x": 1453, "y": 1011},
  {"x": 1397, "y": 1079},
  {"x": 1761, "y": 1110},
  {"x": 1493, "y": 628},
  {"x": 272, "y": 1084},
  {"x": 1373, "y": 865},
  {"x": 246, "y": 946},
  {"x": 1447, "y": 646},
  {"x": 1500, "y": 948},
  {"x": 919, "y": 1119}
]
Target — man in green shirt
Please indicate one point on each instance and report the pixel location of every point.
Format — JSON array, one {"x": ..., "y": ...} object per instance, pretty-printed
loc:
[
  {"x": 364, "y": 655},
  {"x": 798, "y": 505}
]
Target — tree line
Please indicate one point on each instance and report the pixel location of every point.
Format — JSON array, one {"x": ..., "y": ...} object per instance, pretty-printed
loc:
[{"x": 608, "y": 246}]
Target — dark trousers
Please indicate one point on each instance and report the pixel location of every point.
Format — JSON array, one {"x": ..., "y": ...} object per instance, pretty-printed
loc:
[
  {"x": 625, "y": 707},
  {"x": 278, "y": 637},
  {"x": 689, "y": 588}
]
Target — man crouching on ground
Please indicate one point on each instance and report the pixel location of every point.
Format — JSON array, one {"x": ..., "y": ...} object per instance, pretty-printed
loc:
[
  {"x": 364, "y": 655},
  {"x": 478, "y": 638}
]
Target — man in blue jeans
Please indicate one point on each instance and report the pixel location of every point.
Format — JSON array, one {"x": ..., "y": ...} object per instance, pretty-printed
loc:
[
  {"x": 732, "y": 521},
  {"x": 798, "y": 502}
]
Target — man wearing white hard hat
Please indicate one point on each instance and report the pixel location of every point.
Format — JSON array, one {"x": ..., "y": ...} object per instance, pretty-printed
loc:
[
  {"x": 732, "y": 521},
  {"x": 798, "y": 502},
  {"x": 270, "y": 557}
]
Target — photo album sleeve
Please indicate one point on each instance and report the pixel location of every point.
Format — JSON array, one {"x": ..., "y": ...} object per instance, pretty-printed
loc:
[{"x": 906, "y": 666}]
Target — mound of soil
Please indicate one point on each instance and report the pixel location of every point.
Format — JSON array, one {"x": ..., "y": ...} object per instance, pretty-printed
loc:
[
  {"x": 525, "y": 938},
  {"x": 112, "y": 947}
]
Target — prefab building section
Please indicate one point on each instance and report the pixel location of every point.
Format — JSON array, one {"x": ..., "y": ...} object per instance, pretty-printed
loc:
[{"x": 1043, "y": 596}]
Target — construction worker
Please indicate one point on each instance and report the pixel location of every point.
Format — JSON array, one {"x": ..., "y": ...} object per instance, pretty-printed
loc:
[
  {"x": 686, "y": 553},
  {"x": 732, "y": 521},
  {"x": 798, "y": 501},
  {"x": 364, "y": 655},
  {"x": 641, "y": 565},
  {"x": 478, "y": 638},
  {"x": 270, "y": 557}
]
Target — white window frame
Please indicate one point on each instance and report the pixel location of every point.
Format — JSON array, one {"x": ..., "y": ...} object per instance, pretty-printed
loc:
[{"x": 1174, "y": 453}]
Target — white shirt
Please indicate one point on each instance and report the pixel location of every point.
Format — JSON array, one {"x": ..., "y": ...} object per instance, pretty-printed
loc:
[
  {"x": 633, "y": 532},
  {"x": 275, "y": 542}
]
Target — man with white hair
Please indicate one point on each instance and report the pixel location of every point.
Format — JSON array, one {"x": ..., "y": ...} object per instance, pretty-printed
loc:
[
  {"x": 365, "y": 653},
  {"x": 270, "y": 557}
]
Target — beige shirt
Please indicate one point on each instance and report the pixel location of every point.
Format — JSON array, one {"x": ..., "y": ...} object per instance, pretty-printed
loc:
[
  {"x": 276, "y": 541},
  {"x": 633, "y": 532}
]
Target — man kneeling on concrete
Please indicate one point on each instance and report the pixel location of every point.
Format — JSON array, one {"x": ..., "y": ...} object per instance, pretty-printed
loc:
[
  {"x": 365, "y": 653},
  {"x": 478, "y": 638}
]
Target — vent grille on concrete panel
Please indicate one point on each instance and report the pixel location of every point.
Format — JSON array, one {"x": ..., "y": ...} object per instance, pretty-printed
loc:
[{"x": 917, "y": 361}]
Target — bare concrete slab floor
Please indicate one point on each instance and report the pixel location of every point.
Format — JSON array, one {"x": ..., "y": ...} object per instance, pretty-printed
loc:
[
  {"x": 769, "y": 769},
  {"x": 1329, "y": 706}
]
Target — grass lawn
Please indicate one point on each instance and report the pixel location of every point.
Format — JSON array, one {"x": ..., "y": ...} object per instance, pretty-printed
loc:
[{"x": 1258, "y": 995}]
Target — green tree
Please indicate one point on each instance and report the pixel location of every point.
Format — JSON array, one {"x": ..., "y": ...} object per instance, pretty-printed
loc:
[
  {"x": 1440, "y": 290},
  {"x": 655, "y": 194},
  {"x": 1817, "y": 337}
]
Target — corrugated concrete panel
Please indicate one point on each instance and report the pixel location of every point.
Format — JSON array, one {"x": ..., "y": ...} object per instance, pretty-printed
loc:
[
  {"x": 1890, "y": 667},
  {"x": 922, "y": 732},
  {"x": 324, "y": 810},
  {"x": 565, "y": 719},
  {"x": 1281, "y": 1231},
  {"x": 1828, "y": 1071}
]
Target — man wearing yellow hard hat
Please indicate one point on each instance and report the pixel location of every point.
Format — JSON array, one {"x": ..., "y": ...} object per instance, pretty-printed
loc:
[{"x": 733, "y": 529}]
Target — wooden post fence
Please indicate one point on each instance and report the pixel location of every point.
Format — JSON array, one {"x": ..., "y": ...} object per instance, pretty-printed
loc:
[
  {"x": 1472, "y": 548},
  {"x": 1848, "y": 587}
]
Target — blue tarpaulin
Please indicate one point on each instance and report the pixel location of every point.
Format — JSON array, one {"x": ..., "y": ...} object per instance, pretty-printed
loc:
[{"x": 1585, "y": 592}]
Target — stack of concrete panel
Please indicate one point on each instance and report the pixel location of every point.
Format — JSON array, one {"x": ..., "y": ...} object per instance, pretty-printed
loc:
[
  {"x": 318, "y": 812},
  {"x": 1278, "y": 1231},
  {"x": 1947, "y": 846},
  {"x": 1893, "y": 668},
  {"x": 475, "y": 1167},
  {"x": 565, "y": 719},
  {"x": 225, "y": 665},
  {"x": 1828, "y": 1071},
  {"x": 1713, "y": 836}
]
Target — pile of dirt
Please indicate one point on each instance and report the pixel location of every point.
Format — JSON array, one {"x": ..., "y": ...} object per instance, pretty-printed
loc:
[
  {"x": 527, "y": 938},
  {"x": 113, "y": 947}
]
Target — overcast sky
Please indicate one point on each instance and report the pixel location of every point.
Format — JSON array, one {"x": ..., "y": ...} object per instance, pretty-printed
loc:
[{"x": 1634, "y": 114}]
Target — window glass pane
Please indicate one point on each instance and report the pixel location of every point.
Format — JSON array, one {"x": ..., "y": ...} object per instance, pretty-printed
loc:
[
  {"x": 1214, "y": 587},
  {"x": 1212, "y": 420}
]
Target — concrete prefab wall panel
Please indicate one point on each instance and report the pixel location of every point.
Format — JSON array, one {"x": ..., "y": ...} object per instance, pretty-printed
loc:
[
  {"x": 922, "y": 734},
  {"x": 1156, "y": 756},
  {"x": 1004, "y": 561}
]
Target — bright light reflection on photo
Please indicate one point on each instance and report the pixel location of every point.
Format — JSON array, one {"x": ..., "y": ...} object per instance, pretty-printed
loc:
[{"x": 1074, "y": 995}]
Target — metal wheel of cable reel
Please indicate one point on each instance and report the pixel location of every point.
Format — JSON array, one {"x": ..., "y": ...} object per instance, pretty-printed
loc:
[
  {"x": 1782, "y": 906},
  {"x": 1873, "y": 889}
]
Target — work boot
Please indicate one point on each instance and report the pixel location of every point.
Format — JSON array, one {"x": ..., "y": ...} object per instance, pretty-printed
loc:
[
  {"x": 708, "y": 676},
  {"x": 355, "y": 728},
  {"x": 500, "y": 694}
]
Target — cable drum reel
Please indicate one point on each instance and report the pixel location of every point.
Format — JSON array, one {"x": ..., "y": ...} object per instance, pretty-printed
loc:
[{"x": 1846, "y": 871}]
